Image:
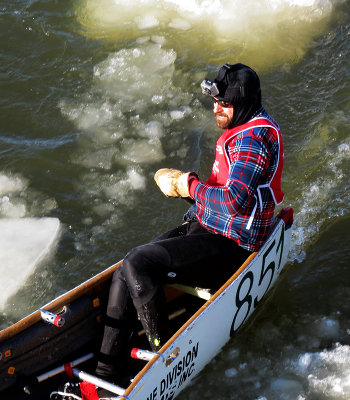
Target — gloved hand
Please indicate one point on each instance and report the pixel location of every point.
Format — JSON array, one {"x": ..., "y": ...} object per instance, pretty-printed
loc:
[{"x": 172, "y": 182}]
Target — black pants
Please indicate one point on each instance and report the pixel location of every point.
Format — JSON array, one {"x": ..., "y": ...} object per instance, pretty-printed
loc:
[{"x": 188, "y": 254}]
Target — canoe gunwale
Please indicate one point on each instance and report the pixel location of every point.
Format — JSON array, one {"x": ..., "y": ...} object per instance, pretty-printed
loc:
[{"x": 59, "y": 302}]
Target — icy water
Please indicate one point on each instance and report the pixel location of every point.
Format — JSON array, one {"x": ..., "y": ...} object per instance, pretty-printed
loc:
[{"x": 96, "y": 95}]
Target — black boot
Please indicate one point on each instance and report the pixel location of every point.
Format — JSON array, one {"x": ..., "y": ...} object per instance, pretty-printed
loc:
[
  {"x": 117, "y": 331},
  {"x": 113, "y": 349}
]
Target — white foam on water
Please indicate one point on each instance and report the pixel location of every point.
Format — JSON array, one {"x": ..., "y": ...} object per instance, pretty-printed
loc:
[
  {"x": 24, "y": 243},
  {"x": 327, "y": 372},
  {"x": 315, "y": 207},
  {"x": 272, "y": 362},
  {"x": 262, "y": 32}
]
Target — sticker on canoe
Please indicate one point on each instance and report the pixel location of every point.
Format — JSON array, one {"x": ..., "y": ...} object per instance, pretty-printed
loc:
[{"x": 177, "y": 375}]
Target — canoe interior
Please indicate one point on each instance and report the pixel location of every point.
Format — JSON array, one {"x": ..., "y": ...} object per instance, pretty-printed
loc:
[{"x": 42, "y": 346}]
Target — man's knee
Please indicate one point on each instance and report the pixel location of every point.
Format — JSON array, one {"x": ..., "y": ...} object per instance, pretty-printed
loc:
[
  {"x": 144, "y": 267},
  {"x": 146, "y": 259}
]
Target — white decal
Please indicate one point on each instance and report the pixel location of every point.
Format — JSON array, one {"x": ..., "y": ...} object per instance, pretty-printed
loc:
[
  {"x": 176, "y": 377},
  {"x": 216, "y": 166},
  {"x": 219, "y": 149}
]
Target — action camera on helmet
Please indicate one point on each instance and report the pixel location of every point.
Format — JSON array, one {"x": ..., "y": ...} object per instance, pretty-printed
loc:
[{"x": 209, "y": 87}]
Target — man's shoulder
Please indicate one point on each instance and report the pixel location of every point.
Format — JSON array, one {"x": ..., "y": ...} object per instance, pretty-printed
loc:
[
  {"x": 262, "y": 116},
  {"x": 255, "y": 128}
]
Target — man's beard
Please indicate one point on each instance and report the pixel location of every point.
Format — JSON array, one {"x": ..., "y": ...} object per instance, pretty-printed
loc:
[{"x": 223, "y": 123}]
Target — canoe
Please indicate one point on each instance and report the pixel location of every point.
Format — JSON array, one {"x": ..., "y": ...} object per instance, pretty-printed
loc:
[{"x": 64, "y": 335}]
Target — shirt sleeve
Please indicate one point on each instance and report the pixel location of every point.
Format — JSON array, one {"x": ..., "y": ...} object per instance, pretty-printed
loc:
[{"x": 249, "y": 159}]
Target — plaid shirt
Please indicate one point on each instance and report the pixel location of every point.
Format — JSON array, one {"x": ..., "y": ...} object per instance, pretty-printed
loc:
[{"x": 230, "y": 197}]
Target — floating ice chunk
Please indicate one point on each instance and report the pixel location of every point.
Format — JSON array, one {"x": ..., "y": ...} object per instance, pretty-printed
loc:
[
  {"x": 178, "y": 23},
  {"x": 137, "y": 181},
  {"x": 344, "y": 149},
  {"x": 78, "y": 246},
  {"x": 154, "y": 129},
  {"x": 243, "y": 366},
  {"x": 148, "y": 21},
  {"x": 102, "y": 209},
  {"x": 304, "y": 362},
  {"x": 142, "y": 39},
  {"x": 327, "y": 372},
  {"x": 231, "y": 372},
  {"x": 142, "y": 151},
  {"x": 120, "y": 189},
  {"x": 11, "y": 209},
  {"x": 328, "y": 328},
  {"x": 176, "y": 114},
  {"x": 157, "y": 99},
  {"x": 257, "y": 384},
  {"x": 24, "y": 243},
  {"x": 234, "y": 353},
  {"x": 158, "y": 39},
  {"x": 290, "y": 386},
  {"x": 97, "y": 159},
  {"x": 303, "y": 3},
  {"x": 224, "y": 20},
  {"x": 11, "y": 184},
  {"x": 181, "y": 113},
  {"x": 94, "y": 115}
]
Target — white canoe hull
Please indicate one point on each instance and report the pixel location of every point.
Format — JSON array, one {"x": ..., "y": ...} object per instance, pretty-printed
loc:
[{"x": 201, "y": 339}]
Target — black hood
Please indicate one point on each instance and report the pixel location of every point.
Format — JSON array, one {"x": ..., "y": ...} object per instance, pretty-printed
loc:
[{"x": 239, "y": 85}]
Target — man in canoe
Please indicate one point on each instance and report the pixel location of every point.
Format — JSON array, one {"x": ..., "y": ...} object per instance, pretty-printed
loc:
[{"x": 230, "y": 218}]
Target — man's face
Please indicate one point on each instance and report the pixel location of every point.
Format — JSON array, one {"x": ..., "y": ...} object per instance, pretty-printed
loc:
[{"x": 223, "y": 114}]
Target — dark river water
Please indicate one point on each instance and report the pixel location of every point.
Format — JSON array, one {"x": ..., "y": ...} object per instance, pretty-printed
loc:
[{"x": 96, "y": 95}]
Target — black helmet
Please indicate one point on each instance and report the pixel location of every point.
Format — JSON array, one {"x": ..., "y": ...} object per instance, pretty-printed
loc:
[{"x": 237, "y": 83}]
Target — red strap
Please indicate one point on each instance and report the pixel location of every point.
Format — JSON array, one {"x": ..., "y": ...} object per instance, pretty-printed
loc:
[
  {"x": 88, "y": 391},
  {"x": 69, "y": 371}
]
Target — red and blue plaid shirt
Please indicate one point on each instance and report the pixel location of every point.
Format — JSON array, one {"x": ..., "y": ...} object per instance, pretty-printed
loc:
[{"x": 232, "y": 195}]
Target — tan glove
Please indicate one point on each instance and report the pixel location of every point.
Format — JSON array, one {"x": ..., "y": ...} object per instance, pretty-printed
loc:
[{"x": 172, "y": 182}]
